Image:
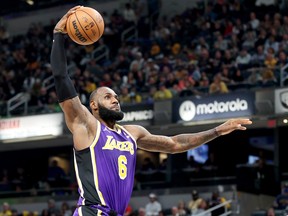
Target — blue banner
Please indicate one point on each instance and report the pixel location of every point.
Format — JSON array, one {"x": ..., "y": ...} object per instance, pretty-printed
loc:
[{"x": 236, "y": 104}]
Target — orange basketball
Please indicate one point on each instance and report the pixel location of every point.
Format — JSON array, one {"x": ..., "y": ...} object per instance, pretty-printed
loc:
[{"x": 85, "y": 26}]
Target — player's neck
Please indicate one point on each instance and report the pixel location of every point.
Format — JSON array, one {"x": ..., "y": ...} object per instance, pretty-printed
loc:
[{"x": 111, "y": 123}]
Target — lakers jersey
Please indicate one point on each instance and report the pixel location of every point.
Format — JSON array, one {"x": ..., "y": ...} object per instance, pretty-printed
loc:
[{"x": 105, "y": 170}]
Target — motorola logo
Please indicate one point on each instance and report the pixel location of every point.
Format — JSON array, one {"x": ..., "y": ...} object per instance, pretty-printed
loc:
[{"x": 187, "y": 110}]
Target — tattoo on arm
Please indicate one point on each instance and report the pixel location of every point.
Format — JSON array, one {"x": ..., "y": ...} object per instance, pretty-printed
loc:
[{"x": 189, "y": 141}]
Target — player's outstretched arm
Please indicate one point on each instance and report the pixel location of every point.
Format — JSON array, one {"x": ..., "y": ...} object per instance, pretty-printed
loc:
[{"x": 183, "y": 142}]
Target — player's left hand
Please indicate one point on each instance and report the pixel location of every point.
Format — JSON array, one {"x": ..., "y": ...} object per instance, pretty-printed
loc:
[{"x": 231, "y": 125}]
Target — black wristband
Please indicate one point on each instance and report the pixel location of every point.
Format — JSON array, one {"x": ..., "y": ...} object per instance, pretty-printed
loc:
[{"x": 63, "y": 84}]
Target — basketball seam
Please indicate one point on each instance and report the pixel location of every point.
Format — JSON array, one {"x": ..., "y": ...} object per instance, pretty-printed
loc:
[
  {"x": 82, "y": 27},
  {"x": 96, "y": 25},
  {"x": 94, "y": 22}
]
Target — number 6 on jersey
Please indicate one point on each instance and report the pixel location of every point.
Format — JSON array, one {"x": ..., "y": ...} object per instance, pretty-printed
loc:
[{"x": 122, "y": 168}]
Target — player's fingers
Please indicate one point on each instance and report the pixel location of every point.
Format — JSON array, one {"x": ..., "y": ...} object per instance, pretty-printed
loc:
[
  {"x": 240, "y": 127},
  {"x": 245, "y": 121},
  {"x": 75, "y": 8},
  {"x": 72, "y": 10}
]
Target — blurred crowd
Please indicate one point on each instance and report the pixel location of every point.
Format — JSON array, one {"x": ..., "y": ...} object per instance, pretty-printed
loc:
[
  {"x": 214, "y": 203},
  {"x": 216, "y": 47},
  {"x": 151, "y": 207}
]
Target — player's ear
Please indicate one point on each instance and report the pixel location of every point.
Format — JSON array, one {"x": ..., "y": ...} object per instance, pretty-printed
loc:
[{"x": 93, "y": 105}]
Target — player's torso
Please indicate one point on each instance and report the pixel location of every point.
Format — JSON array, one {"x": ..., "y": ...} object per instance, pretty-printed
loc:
[{"x": 106, "y": 169}]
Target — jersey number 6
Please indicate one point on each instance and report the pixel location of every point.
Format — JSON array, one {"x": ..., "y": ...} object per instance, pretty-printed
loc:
[{"x": 122, "y": 168}]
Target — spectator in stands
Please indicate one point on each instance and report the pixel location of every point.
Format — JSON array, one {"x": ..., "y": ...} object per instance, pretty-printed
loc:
[
  {"x": 148, "y": 165},
  {"x": 129, "y": 16},
  {"x": 193, "y": 205},
  {"x": 249, "y": 40},
  {"x": 203, "y": 206},
  {"x": 215, "y": 200},
  {"x": 182, "y": 209},
  {"x": 218, "y": 86},
  {"x": 281, "y": 200},
  {"x": 138, "y": 62},
  {"x": 162, "y": 93},
  {"x": 271, "y": 43},
  {"x": 56, "y": 175},
  {"x": 128, "y": 210},
  {"x": 45, "y": 212},
  {"x": 65, "y": 209},
  {"x": 6, "y": 210},
  {"x": 238, "y": 77},
  {"x": 174, "y": 211},
  {"x": 261, "y": 175},
  {"x": 53, "y": 104},
  {"x": 270, "y": 212},
  {"x": 255, "y": 78},
  {"x": 282, "y": 59},
  {"x": 254, "y": 21},
  {"x": 52, "y": 208},
  {"x": 162, "y": 213},
  {"x": 226, "y": 75},
  {"x": 106, "y": 80},
  {"x": 163, "y": 165},
  {"x": 154, "y": 206},
  {"x": 257, "y": 59},
  {"x": 243, "y": 59},
  {"x": 268, "y": 78},
  {"x": 141, "y": 212},
  {"x": 216, "y": 62},
  {"x": 270, "y": 61},
  {"x": 5, "y": 181},
  {"x": 15, "y": 212},
  {"x": 204, "y": 61},
  {"x": 131, "y": 97},
  {"x": 21, "y": 179},
  {"x": 221, "y": 43}
]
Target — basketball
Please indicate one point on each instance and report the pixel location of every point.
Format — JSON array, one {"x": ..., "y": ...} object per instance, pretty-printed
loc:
[{"x": 85, "y": 26}]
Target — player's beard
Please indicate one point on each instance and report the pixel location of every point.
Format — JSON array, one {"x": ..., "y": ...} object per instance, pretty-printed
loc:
[{"x": 108, "y": 115}]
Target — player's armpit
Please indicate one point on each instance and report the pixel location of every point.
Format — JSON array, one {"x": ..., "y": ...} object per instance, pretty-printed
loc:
[{"x": 75, "y": 113}]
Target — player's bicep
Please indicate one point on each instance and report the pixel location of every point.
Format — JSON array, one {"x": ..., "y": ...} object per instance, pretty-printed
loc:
[
  {"x": 151, "y": 142},
  {"x": 74, "y": 111}
]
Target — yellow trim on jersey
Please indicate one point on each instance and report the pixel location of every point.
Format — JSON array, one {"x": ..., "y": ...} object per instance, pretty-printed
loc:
[
  {"x": 80, "y": 211},
  {"x": 93, "y": 159},
  {"x": 122, "y": 128},
  {"x": 78, "y": 179}
]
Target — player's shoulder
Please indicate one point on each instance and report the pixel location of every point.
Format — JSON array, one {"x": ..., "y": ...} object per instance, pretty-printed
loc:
[
  {"x": 132, "y": 127},
  {"x": 136, "y": 130}
]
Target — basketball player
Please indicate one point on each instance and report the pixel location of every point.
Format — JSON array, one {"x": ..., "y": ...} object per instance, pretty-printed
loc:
[{"x": 104, "y": 151}]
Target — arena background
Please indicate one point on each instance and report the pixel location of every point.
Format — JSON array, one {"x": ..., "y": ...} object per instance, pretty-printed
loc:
[{"x": 28, "y": 140}]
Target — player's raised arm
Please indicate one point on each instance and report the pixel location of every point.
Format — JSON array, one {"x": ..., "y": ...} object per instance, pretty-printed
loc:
[
  {"x": 75, "y": 113},
  {"x": 183, "y": 142}
]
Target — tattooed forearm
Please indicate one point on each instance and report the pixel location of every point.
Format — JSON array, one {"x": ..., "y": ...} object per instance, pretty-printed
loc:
[{"x": 189, "y": 141}]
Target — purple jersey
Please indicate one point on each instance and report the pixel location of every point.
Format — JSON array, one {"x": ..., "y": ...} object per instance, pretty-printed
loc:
[{"x": 105, "y": 170}]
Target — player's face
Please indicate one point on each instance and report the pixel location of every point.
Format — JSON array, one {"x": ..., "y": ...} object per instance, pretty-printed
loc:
[{"x": 109, "y": 107}]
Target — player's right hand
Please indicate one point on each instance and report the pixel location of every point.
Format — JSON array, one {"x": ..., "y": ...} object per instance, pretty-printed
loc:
[{"x": 61, "y": 25}]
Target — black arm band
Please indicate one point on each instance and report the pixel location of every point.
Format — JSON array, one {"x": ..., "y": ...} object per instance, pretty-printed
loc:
[{"x": 63, "y": 84}]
